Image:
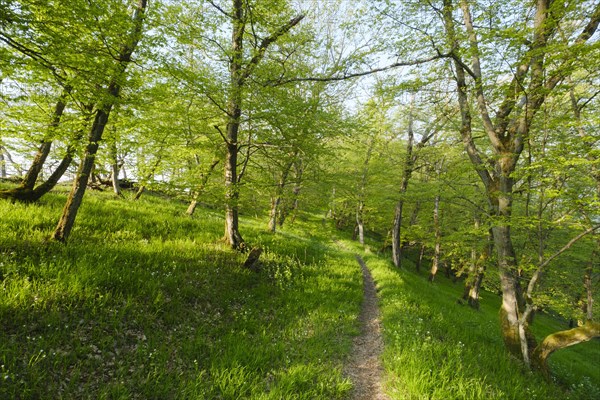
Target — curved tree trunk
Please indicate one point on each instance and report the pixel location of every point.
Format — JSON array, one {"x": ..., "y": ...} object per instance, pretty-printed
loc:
[
  {"x": 44, "y": 149},
  {"x": 205, "y": 176},
  {"x": 560, "y": 340},
  {"x": 33, "y": 195}
]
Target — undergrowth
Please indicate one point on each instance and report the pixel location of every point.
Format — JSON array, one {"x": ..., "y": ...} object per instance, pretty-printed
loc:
[
  {"x": 147, "y": 303},
  {"x": 436, "y": 348}
]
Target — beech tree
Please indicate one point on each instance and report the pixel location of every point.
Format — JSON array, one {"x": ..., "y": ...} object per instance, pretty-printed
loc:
[
  {"x": 110, "y": 93},
  {"x": 539, "y": 64}
]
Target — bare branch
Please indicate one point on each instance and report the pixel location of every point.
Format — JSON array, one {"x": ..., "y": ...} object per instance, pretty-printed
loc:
[
  {"x": 221, "y": 133},
  {"x": 225, "y": 13},
  {"x": 363, "y": 73},
  {"x": 262, "y": 48}
]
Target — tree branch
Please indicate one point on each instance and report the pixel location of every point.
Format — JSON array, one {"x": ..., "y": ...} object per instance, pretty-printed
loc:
[
  {"x": 362, "y": 73},
  {"x": 266, "y": 42}
]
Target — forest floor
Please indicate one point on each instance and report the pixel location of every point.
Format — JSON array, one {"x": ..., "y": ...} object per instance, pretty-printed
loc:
[{"x": 365, "y": 367}]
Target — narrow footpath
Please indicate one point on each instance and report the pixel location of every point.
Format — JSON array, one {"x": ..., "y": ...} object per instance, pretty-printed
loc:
[{"x": 364, "y": 367}]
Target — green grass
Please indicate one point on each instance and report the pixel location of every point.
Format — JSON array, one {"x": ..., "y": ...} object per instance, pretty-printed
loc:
[
  {"x": 146, "y": 303},
  {"x": 436, "y": 348}
]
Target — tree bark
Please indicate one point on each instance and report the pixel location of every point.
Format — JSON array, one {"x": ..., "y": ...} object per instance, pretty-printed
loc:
[
  {"x": 420, "y": 258},
  {"x": 2, "y": 164},
  {"x": 276, "y": 198},
  {"x": 409, "y": 163},
  {"x": 239, "y": 71},
  {"x": 560, "y": 340},
  {"x": 360, "y": 206},
  {"x": 507, "y": 134},
  {"x": 408, "y": 169},
  {"x": 44, "y": 149},
  {"x": 438, "y": 239},
  {"x": 295, "y": 199},
  {"x": 200, "y": 189},
  {"x": 67, "y": 219},
  {"x": 477, "y": 272}
]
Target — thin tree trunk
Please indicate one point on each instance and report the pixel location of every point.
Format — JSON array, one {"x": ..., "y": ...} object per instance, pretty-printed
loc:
[
  {"x": 200, "y": 190},
  {"x": 409, "y": 163},
  {"x": 408, "y": 169},
  {"x": 476, "y": 274},
  {"x": 276, "y": 199},
  {"x": 2, "y": 163},
  {"x": 114, "y": 166},
  {"x": 420, "y": 258},
  {"x": 587, "y": 283},
  {"x": 438, "y": 239},
  {"x": 67, "y": 219},
  {"x": 75, "y": 198},
  {"x": 15, "y": 165},
  {"x": 238, "y": 74},
  {"x": 44, "y": 149},
  {"x": 295, "y": 200},
  {"x": 360, "y": 207},
  {"x": 139, "y": 192}
]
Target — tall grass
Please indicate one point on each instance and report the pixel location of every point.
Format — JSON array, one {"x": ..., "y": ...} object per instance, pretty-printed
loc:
[
  {"x": 436, "y": 348},
  {"x": 146, "y": 303}
]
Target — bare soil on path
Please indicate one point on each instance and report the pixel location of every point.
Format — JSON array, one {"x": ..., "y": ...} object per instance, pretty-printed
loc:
[{"x": 364, "y": 368}]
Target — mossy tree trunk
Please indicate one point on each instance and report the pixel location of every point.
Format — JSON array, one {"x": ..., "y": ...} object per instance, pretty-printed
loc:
[{"x": 560, "y": 340}]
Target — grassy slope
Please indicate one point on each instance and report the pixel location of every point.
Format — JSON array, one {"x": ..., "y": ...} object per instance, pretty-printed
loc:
[
  {"x": 439, "y": 349},
  {"x": 146, "y": 303}
]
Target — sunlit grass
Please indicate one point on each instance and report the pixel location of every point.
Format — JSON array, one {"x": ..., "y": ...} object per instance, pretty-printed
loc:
[
  {"x": 436, "y": 348},
  {"x": 145, "y": 302}
]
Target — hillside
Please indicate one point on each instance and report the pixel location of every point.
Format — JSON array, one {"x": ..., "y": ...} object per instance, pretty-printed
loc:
[{"x": 147, "y": 303}]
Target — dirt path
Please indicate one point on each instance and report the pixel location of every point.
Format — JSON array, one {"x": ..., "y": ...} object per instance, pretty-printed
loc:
[{"x": 364, "y": 368}]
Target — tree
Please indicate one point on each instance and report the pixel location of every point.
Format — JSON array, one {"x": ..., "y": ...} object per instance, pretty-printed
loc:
[
  {"x": 103, "y": 109},
  {"x": 538, "y": 69}
]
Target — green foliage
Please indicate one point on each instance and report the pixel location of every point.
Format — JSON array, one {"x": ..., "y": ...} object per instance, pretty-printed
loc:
[
  {"x": 145, "y": 302},
  {"x": 437, "y": 348}
]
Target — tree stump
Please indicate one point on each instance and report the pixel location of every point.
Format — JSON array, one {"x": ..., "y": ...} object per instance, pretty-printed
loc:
[{"x": 252, "y": 261}]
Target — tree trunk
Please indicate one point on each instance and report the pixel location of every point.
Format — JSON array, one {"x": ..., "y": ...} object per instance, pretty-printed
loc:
[
  {"x": 587, "y": 283},
  {"x": 75, "y": 198},
  {"x": 139, "y": 192},
  {"x": 360, "y": 206},
  {"x": 477, "y": 270},
  {"x": 204, "y": 181},
  {"x": 396, "y": 233},
  {"x": 114, "y": 166},
  {"x": 408, "y": 169},
  {"x": 438, "y": 239},
  {"x": 2, "y": 164},
  {"x": 276, "y": 199},
  {"x": 420, "y": 258},
  {"x": 295, "y": 200},
  {"x": 44, "y": 149},
  {"x": 560, "y": 340},
  {"x": 238, "y": 74},
  {"x": 67, "y": 219},
  {"x": 360, "y": 223}
]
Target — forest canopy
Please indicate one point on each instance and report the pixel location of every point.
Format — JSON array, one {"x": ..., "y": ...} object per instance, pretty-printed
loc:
[{"x": 460, "y": 134}]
